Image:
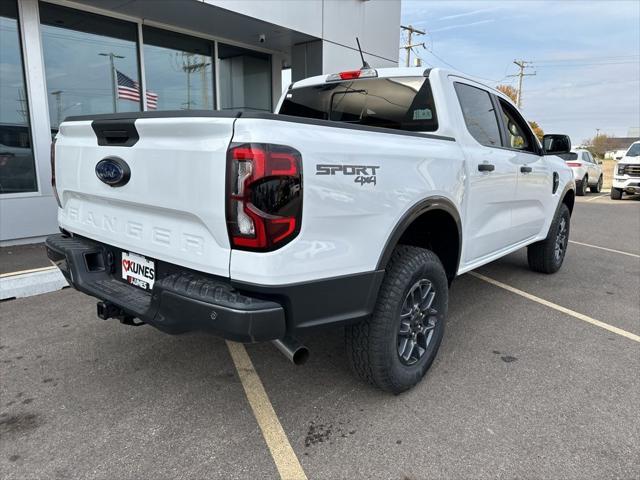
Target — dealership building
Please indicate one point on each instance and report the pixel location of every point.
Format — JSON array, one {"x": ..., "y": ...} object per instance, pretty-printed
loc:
[{"x": 61, "y": 58}]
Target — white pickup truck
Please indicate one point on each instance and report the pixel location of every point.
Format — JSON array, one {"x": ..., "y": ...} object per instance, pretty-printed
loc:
[
  {"x": 626, "y": 174},
  {"x": 355, "y": 206}
]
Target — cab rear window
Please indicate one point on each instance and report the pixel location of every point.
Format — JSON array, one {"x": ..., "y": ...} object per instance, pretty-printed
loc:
[{"x": 401, "y": 103}]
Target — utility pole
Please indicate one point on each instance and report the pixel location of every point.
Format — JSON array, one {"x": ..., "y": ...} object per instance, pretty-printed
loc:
[
  {"x": 58, "y": 95},
  {"x": 597, "y": 132},
  {"x": 409, "y": 46},
  {"x": 114, "y": 88},
  {"x": 523, "y": 65},
  {"x": 190, "y": 67},
  {"x": 22, "y": 105}
]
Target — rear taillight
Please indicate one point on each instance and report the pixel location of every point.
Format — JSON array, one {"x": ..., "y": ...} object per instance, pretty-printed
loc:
[
  {"x": 574, "y": 164},
  {"x": 264, "y": 195},
  {"x": 53, "y": 172}
]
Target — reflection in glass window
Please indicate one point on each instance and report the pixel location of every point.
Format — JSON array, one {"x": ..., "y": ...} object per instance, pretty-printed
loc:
[
  {"x": 17, "y": 166},
  {"x": 245, "y": 79},
  {"x": 403, "y": 103},
  {"x": 91, "y": 63},
  {"x": 479, "y": 114},
  {"x": 178, "y": 70}
]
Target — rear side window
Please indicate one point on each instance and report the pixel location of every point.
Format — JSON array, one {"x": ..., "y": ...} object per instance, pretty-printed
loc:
[
  {"x": 401, "y": 103},
  {"x": 479, "y": 114}
]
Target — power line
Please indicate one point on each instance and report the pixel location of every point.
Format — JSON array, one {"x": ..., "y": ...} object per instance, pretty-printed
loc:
[
  {"x": 559, "y": 65},
  {"x": 584, "y": 59},
  {"x": 455, "y": 68}
]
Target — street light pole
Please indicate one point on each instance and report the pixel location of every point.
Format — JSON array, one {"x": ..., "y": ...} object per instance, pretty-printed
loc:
[{"x": 114, "y": 88}]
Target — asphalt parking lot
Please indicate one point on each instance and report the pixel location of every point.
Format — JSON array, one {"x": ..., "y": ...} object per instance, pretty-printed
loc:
[{"x": 519, "y": 389}]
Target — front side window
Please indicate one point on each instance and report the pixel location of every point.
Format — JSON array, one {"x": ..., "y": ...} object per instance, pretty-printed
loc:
[
  {"x": 17, "y": 165},
  {"x": 479, "y": 114},
  {"x": 178, "y": 71},
  {"x": 518, "y": 134},
  {"x": 91, "y": 63},
  {"x": 401, "y": 103}
]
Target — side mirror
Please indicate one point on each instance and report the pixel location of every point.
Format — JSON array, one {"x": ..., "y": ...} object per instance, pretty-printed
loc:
[
  {"x": 556, "y": 144},
  {"x": 599, "y": 162}
]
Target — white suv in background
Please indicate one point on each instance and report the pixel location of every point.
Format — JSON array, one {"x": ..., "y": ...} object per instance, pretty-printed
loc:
[
  {"x": 587, "y": 172},
  {"x": 626, "y": 174}
]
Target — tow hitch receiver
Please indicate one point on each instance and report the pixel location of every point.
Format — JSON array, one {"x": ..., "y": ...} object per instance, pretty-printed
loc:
[{"x": 108, "y": 310}]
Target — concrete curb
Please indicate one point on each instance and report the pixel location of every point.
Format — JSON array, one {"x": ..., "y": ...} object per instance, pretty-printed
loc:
[{"x": 32, "y": 283}]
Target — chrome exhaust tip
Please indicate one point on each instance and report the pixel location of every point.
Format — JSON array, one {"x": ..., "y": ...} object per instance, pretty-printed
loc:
[{"x": 293, "y": 350}]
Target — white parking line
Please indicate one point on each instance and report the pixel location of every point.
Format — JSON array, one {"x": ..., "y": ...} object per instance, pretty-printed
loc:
[
  {"x": 595, "y": 198},
  {"x": 560, "y": 308},
  {"x": 283, "y": 455},
  {"x": 605, "y": 248}
]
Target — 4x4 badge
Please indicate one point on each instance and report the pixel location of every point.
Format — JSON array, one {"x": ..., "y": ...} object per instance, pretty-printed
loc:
[{"x": 364, "y": 174}]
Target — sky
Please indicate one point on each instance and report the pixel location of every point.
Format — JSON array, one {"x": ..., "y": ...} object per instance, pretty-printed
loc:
[{"x": 585, "y": 56}]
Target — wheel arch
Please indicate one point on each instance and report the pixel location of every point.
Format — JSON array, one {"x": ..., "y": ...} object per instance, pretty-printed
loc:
[
  {"x": 432, "y": 223},
  {"x": 568, "y": 198}
]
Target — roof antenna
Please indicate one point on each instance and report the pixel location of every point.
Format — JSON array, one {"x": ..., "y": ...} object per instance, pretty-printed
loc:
[{"x": 364, "y": 63}]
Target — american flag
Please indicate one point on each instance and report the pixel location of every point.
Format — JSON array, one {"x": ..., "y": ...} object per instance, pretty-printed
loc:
[{"x": 128, "y": 89}]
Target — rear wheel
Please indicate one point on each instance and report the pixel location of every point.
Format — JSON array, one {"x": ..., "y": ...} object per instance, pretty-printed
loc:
[
  {"x": 616, "y": 193},
  {"x": 394, "y": 348},
  {"x": 547, "y": 255},
  {"x": 581, "y": 187},
  {"x": 597, "y": 187}
]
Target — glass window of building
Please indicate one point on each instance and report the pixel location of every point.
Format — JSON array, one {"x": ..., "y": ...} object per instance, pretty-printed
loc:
[
  {"x": 91, "y": 63},
  {"x": 178, "y": 71},
  {"x": 17, "y": 166},
  {"x": 245, "y": 79}
]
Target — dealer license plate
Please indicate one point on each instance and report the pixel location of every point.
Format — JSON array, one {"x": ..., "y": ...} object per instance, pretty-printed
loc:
[{"x": 138, "y": 271}]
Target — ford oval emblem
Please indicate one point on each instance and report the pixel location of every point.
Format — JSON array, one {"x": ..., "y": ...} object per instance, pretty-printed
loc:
[{"x": 113, "y": 171}]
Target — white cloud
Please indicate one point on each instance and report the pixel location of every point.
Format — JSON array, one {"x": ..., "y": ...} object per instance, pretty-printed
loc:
[
  {"x": 467, "y": 14},
  {"x": 462, "y": 25}
]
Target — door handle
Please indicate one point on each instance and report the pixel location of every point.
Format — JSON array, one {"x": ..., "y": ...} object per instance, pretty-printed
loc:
[
  {"x": 486, "y": 167},
  {"x": 526, "y": 169}
]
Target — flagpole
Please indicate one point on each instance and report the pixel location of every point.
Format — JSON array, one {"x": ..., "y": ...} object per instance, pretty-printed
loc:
[{"x": 114, "y": 87}]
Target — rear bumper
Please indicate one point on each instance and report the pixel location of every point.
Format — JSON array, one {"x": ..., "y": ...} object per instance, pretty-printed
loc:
[{"x": 181, "y": 300}]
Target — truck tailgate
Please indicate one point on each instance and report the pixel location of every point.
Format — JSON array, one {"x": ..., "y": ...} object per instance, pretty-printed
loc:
[{"x": 173, "y": 206}]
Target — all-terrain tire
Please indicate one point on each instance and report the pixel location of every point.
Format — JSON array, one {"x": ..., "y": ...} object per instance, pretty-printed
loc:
[
  {"x": 373, "y": 344},
  {"x": 546, "y": 256},
  {"x": 597, "y": 187},
  {"x": 581, "y": 186},
  {"x": 616, "y": 193}
]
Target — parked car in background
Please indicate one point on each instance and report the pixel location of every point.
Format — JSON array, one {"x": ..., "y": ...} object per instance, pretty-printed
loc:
[
  {"x": 587, "y": 172},
  {"x": 626, "y": 173}
]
